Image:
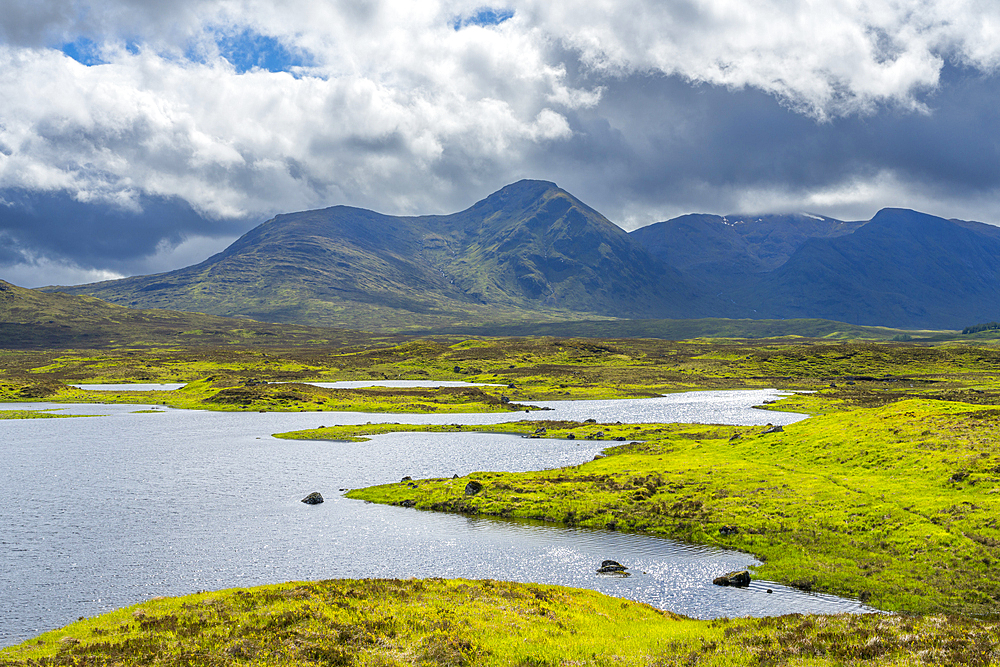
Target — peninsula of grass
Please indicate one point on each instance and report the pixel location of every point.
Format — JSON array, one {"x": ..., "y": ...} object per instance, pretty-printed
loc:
[
  {"x": 230, "y": 393},
  {"x": 33, "y": 414},
  {"x": 392, "y": 623},
  {"x": 530, "y": 428},
  {"x": 897, "y": 506}
]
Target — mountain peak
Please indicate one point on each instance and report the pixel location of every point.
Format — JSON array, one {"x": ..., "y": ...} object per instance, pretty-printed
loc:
[{"x": 516, "y": 196}]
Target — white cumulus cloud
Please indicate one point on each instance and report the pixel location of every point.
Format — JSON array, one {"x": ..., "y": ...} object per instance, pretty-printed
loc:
[{"x": 423, "y": 106}]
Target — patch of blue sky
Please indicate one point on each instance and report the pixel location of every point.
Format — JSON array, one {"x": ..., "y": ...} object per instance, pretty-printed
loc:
[
  {"x": 84, "y": 51},
  {"x": 486, "y": 16},
  {"x": 249, "y": 50}
]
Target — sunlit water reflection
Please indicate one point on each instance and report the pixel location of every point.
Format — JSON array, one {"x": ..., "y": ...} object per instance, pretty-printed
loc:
[{"x": 103, "y": 512}]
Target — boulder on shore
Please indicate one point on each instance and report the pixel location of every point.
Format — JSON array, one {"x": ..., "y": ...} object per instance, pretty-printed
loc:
[
  {"x": 741, "y": 579},
  {"x": 473, "y": 487},
  {"x": 314, "y": 498}
]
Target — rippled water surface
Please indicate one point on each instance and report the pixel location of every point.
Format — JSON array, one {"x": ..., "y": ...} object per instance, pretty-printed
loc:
[{"x": 105, "y": 511}]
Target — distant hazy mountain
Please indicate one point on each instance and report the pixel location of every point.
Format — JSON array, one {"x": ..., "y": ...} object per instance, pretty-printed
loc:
[
  {"x": 534, "y": 253},
  {"x": 528, "y": 252},
  {"x": 708, "y": 243},
  {"x": 902, "y": 269}
]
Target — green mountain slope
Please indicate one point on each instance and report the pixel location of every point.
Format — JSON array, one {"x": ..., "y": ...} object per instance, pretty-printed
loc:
[
  {"x": 530, "y": 252},
  {"x": 31, "y": 319}
]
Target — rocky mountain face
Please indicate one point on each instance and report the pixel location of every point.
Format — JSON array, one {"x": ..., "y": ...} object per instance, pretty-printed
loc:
[
  {"x": 528, "y": 252},
  {"x": 534, "y": 252}
]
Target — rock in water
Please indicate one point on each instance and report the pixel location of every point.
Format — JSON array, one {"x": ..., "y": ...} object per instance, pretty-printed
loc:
[
  {"x": 612, "y": 567},
  {"x": 314, "y": 498},
  {"x": 741, "y": 579}
]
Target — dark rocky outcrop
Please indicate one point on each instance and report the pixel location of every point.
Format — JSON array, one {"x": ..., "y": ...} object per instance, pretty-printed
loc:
[
  {"x": 473, "y": 487},
  {"x": 314, "y": 498},
  {"x": 740, "y": 579},
  {"x": 613, "y": 567}
]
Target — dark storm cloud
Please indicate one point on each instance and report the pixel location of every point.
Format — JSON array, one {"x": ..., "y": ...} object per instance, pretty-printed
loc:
[
  {"x": 96, "y": 235},
  {"x": 660, "y": 140}
]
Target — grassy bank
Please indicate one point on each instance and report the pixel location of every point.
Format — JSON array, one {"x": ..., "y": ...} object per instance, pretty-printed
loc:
[
  {"x": 895, "y": 505},
  {"x": 32, "y": 414},
  {"x": 231, "y": 393},
  {"x": 389, "y": 623}
]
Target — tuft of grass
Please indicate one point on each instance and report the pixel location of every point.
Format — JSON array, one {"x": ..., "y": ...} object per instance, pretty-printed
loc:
[{"x": 462, "y": 622}]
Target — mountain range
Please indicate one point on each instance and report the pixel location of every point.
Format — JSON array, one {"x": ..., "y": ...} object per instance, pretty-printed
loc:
[{"x": 533, "y": 252}]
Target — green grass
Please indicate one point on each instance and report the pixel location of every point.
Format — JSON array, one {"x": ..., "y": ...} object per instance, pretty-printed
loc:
[
  {"x": 865, "y": 374},
  {"x": 553, "y": 429},
  {"x": 459, "y": 622},
  {"x": 230, "y": 393},
  {"x": 889, "y": 494},
  {"x": 32, "y": 414},
  {"x": 895, "y": 505}
]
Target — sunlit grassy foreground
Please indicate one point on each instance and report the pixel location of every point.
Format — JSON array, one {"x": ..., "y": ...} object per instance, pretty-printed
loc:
[
  {"x": 459, "y": 622},
  {"x": 897, "y": 505}
]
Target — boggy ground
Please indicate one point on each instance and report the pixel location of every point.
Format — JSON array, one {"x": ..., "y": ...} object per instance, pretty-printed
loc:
[
  {"x": 231, "y": 393},
  {"x": 888, "y": 494},
  {"x": 896, "y": 505},
  {"x": 391, "y": 623},
  {"x": 849, "y": 375}
]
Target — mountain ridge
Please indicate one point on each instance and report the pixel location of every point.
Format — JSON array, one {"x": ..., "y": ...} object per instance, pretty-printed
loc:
[
  {"x": 529, "y": 251},
  {"x": 532, "y": 252}
]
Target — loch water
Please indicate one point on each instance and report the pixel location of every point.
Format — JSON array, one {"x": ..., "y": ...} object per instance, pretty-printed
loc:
[{"x": 105, "y": 511}]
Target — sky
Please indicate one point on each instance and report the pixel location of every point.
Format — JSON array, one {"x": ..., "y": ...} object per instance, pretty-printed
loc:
[{"x": 139, "y": 136}]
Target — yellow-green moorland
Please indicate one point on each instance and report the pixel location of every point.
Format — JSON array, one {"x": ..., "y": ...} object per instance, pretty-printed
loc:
[
  {"x": 32, "y": 414},
  {"x": 896, "y": 505},
  {"x": 231, "y": 393},
  {"x": 388, "y": 623},
  {"x": 865, "y": 374}
]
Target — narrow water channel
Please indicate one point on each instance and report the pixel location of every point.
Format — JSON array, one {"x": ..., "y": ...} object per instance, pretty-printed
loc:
[{"x": 106, "y": 511}]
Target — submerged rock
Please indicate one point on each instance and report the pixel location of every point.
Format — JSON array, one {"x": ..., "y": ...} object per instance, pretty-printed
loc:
[
  {"x": 740, "y": 579},
  {"x": 314, "y": 498}
]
